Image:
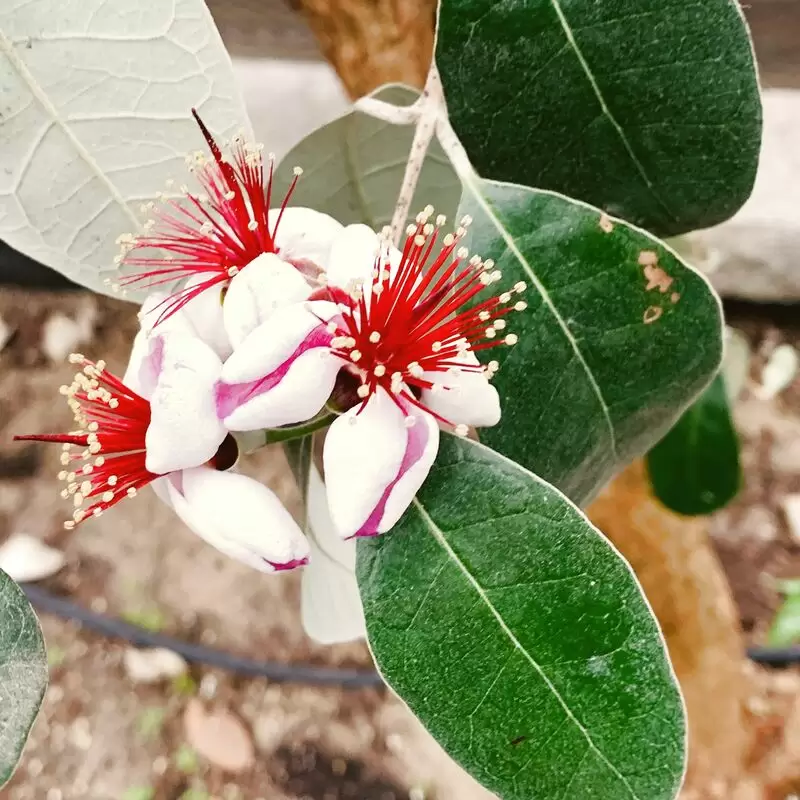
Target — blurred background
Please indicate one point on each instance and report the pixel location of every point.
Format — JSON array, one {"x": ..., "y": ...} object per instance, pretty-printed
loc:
[{"x": 121, "y": 725}]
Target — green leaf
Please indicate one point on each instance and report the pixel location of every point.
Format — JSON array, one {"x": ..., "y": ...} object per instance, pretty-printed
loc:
[
  {"x": 23, "y": 673},
  {"x": 787, "y": 586},
  {"x": 139, "y": 793},
  {"x": 150, "y": 723},
  {"x": 611, "y": 347},
  {"x": 186, "y": 760},
  {"x": 695, "y": 468},
  {"x": 299, "y": 453},
  {"x": 785, "y": 628},
  {"x": 647, "y": 109},
  {"x": 521, "y": 638},
  {"x": 353, "y": 167}
]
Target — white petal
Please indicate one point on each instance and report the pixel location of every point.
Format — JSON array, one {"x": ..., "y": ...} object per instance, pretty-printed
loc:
[
  {"x": 465, "y": 398},
  {"x": 204, "y": 314},
  {"x": 140, "y": 374},
  {"x": 330, "y": 607},
  {"x": 264, "y": 285},
  {"x": 144, "y": 363},
  {"x": 353, "y": 257},
  {"x": 240, "y": 517},
  {"x": 184, "y": 429},
  {"x": 421, "y": 450},
  {"x": 304, "y": 234},
  {"x": 363, "y": 455},
  {"x": 275, "y": 340},
  {"x": 284, "y": 398}
]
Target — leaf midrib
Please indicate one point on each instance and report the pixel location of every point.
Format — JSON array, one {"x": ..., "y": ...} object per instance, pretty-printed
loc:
[
  {"x": 556, "y": 4},
  {"x": 469, "y": 182},
  {"x": 7, "y": 48},
  {"x": 441, "y": 539}
]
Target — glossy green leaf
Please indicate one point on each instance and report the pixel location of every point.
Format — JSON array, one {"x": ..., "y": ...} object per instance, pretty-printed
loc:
[
  {"x": 647, "y": 109},
  {"x": 618, "y": 338},
  {"x": 785, "y": 628},
  {"x": 23, "y": 673},
  {"x": 353, "y": 168},
  {"x": 520, "y": 637},
  {"x": 695, "y": 468}
]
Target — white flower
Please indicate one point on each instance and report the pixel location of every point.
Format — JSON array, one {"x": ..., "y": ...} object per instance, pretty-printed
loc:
[
  {"x": 236, "y": 260},
  {"x": 397, "y": 338},
  {"x": 159, "y": 427}
]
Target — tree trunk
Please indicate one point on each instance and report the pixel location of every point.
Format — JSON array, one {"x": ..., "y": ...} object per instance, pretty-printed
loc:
[
  {"x": 683, "y": 580},
  {"x": 371, "y": 42}
]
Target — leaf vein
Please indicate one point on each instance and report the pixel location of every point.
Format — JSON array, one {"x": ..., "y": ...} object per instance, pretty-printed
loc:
[{"x": 442, "y": 540}]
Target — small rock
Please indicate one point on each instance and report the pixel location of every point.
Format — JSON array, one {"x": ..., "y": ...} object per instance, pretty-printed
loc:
[
  {"x": 736, "y": 364},
  {"x": 5, "y": 333},
  {"x": 786, "y": 683},
  {"x": 778, "y": 372},
  {"x": 791, "y": 508},
  {"x": 62, "y": 335},
  {"x": 268, "y": 731},
  {"x": 208, "y": 686},
  {"x": 26, "y": 558},
  {"x": 747, "y": 790},
  {"x": 759, "y": 523},
  {"x": 80, "y": 733},
  {"x": 219, "y": 737},
  {"x": 152, "y": 665},
  {"x": 758, "y": 706}
]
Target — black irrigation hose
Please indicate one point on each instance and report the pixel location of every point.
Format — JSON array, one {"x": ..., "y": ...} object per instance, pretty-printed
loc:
[
  {"x": 284, "y": 673},
  {"x": 141, "y": 637},
  {"x": 775, "y": 656}
]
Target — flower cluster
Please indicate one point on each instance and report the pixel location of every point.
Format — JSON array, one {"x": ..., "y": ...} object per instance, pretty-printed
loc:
[{"x": 281, "y": 317}]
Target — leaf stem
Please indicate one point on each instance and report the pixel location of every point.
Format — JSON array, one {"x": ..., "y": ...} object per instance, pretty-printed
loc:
[
  {"x": 453, "y": 148},
  {"x": 389, "y": 112}
]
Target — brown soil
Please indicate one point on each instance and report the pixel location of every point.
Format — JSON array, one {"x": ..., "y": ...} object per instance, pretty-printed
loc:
[{"x": 99, "y": 735}]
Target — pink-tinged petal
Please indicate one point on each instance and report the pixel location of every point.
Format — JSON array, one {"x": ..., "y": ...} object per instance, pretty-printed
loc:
[
  {"x": 143, "y": 368},
  {"x": 204, "y": 314},
  {"x": 184, "y": 428},
  {"x": 463, "y": 397},
  {"x": 353, "y": 256},
  {"x": 295, "y": 392},
  {"x": 421, "y": 449},
  {"x": 263, "y": 286},
  {"x": 276, "y": 339},
  {"x": 240, "y": 517},
  {"x": 304, "y": 234},
  {"x": 330, "y": 603},
  {"x": 139, "y": 375},
  {"x": 374, "y": 464}
]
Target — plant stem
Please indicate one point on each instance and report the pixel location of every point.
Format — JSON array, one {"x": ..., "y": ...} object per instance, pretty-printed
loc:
[
  {"x": 288, "y": 433},
  {"x": 430, "y": 108}
]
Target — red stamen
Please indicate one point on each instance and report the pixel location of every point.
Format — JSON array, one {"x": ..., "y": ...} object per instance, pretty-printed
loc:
[
  {"x": 109, "y": 464},
  {"x": 421, "y": 318},
  {"x": 219, "y": 233}
]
